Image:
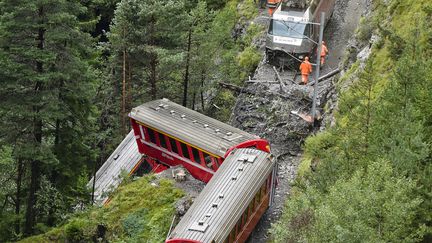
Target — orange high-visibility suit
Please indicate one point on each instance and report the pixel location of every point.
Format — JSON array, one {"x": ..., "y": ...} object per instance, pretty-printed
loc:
[
  {"x": 305, "y": 69},
  {"x": 324, "y": 52},
  {"x": 272, "y": 4}
]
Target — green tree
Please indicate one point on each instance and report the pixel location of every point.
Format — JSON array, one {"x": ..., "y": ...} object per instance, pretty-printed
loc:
[
  {"x": 46, "y": 85},
  {"x": 144, "y": 42},
  {"x": 375, "y": 205},
  {"x": 199, "y": 54}
]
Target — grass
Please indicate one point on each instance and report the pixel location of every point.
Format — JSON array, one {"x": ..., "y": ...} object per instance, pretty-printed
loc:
[{"x": 138, "y": 212}]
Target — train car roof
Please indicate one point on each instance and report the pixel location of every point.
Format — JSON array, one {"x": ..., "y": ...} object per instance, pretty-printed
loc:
[
  {"x": 190, "y": 126},
  {"x": 293, "y": 15},
  {"x": 124, "y": 158},
  {"x": 222, "y": 202}
]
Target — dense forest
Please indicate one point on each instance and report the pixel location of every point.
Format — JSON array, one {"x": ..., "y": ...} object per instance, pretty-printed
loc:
[{"x": 70, "y": 71}]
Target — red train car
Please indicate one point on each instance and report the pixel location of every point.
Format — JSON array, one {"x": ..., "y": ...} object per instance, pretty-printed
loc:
[
  {"x": 169, "y": 134},
  {"x": 230, "y": 206}
]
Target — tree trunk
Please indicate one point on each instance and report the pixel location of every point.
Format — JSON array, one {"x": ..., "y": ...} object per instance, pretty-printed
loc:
[
  {"x": 129, "y": 94},
  {"x": 153, "y": 60},
  {"x": 123, "y": 108},
  {"x": 186, "y": 77},
  {"x": 193, "y": 100},
  {"x": 153, "y": 75},
  {"x": 95, "y": 168},
  {"x": 18, "y": 195},
  {"x": 37, "y": 132},
  {"x": 34, "y": 179},
  {"x": 202, "y": 89}
]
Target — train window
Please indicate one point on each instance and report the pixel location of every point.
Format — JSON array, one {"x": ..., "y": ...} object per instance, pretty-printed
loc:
[
  {"x": 245, "y": 218},
  {"x": 152, "y": 135},
  {"x": 196, "y": 156},
  {"x": 258, "y": 197},
  {"x": 162, "y": 140},
  {"x": 173, "y": 145},
  {"x": 250, "y": 209},
  {"x": 308, "y": 30},
  {"x": 287, "y": 29},
  {"x": 219, "y": 162},
  {"x": 184, "y": 150},
  {"x": 253, "y": 205},
  {"x": 215, "y": 165},
  {"x": 232, "y": 236},
  {"x": 238, "y": 227},
  {"x": 142, "y": 132},
  {"x": 208, "y": 160}
]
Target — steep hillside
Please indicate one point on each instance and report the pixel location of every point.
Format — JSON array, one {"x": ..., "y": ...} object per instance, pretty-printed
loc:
[
  {"x": 140, "y": 211},
  {"x": 265, "y": 107},
  {"x": 368, "y": 176}
]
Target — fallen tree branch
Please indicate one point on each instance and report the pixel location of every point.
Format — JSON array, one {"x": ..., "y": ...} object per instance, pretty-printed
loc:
[
  {"x": 234, "y": 88},
  {"x": 262, "y": 81},
  {"x": 326, "y": 76},
  {"x": 279, "y": 79}
]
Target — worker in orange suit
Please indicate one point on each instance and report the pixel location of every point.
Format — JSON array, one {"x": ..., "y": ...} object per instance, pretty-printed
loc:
[
  {"x": 305, "y": 69},
  {"x": 324, "y": 52}
]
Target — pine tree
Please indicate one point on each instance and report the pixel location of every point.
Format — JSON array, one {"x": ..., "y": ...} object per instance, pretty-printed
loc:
[
  {"x": 199, "y": 54},
  {"x": 46, "y": 83},
  {"x": 144, "y": 43}
]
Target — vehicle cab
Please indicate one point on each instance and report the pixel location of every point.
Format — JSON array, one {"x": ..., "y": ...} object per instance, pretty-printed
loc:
[{"x": 292, "y": 33}]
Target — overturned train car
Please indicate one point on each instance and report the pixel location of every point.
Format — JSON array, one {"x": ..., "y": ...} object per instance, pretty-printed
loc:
[
  {"x": 169, "y": 134},
  {"x": 292, "y": 34},
  {"x": 232, "y": 203}
]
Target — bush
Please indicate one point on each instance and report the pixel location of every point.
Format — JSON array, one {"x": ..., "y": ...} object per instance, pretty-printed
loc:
[
  {"x": 79, "y": 230},
  {"x": 365, "y": 29},
  {"x": 249, "y": 59}
]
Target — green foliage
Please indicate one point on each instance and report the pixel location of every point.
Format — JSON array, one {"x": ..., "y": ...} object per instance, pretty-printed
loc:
[
  {"x": 216, "y": 4},
  {"x": 373, "y": 206},
  {"x": 79, "y": 230},
  {"x": 235, "y": 56},
  {"x": 61, "y": 94},
  {"x": 7, "y": 167},
  {"x": 50, "y": 205},
  {"x": 368, "y": 178},
  {"x": 364, "y": 31},
  {"x": 253, "y": 31},
  {"x": 249, "y": 58},
  {"x": 47, "y": 82},
  {"x": 248, "y": 9},
  {"x": 222, "y": 104},
  {"x": 140, "y": 211}
]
